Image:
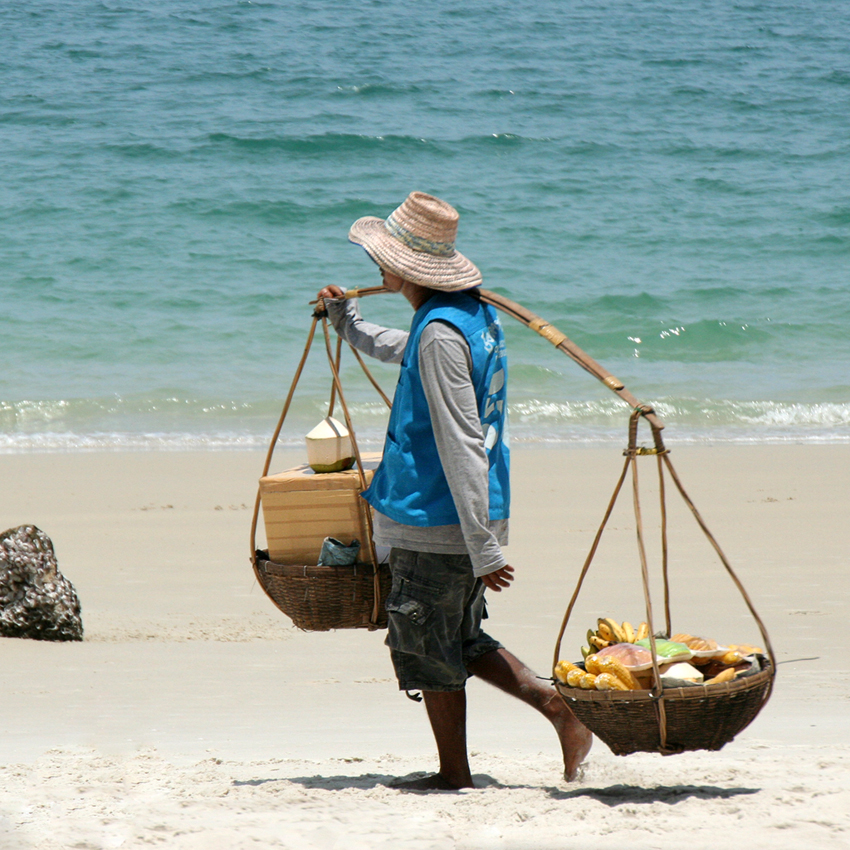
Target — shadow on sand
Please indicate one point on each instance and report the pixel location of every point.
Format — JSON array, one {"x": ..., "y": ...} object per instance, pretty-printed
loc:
[
  {"x": 364, "y": 782},
  {"x": 617, "y": 795}
]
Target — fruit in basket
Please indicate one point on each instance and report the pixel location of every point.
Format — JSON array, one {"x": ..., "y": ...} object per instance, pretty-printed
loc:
[
  {"x": 616, "y": 668},
  {"x": 610, "y": 682},
  {"x": 610, "y": 630},
  {"x": 669, "y": 650},
  {"x": 591, "y": 664},
  {"x": 630, "y": 655},
  {"x": 746, "y": 648},
  {"x": 574, "y": 677},
  {"x": 724, "y": 676},
  {"x": 587, "y": 681},
  {"x": 703, "y": 645},
  {"x": 562, "y": 669},
  {"x": 696, "y": 644},
  {"x": 704, "y": 649}
]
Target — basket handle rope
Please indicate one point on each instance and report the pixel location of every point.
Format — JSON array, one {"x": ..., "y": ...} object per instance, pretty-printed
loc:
[
  {"x": 663, "y": 459},
  {"x": 273, "y": 443},
  {"x": 336, "y": 391},
  {"x": 338, "y": 360},
  {"x": 373, "y": 555}
]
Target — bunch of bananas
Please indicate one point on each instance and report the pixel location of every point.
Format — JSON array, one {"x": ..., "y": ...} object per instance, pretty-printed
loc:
[{"x": 609, "y": 631}]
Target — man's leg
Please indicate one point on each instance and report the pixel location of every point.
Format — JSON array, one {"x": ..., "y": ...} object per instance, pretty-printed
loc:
[
  {"x": 447, "y": 715},
  {"x": 426, "y": 615},
  {"x": 509, "y": 674}
]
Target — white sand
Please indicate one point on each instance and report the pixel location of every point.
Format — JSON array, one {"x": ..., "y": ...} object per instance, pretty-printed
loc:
[{"x": 195, "y": 716}]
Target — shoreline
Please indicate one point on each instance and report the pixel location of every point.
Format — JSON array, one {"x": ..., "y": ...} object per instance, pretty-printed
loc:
[{"x": 614, "y": 439}]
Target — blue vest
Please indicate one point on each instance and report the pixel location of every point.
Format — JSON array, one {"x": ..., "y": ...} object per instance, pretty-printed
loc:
[{"x": 410, "y": 486}]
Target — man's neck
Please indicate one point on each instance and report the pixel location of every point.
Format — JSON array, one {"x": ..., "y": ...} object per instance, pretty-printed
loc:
[{"x": 417, "y": 295}]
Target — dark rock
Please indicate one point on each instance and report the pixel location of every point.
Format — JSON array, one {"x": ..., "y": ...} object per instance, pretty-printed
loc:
[{"x": 36, "y": 600}]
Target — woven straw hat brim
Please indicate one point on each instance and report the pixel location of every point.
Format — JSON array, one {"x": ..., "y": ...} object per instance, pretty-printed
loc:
[{"x": 448, "y": 274}]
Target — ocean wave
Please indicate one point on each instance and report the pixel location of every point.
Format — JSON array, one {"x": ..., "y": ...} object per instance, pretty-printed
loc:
[
  {"x": 152, "y": 425},
  {"x": 703, "y": 412},
  {"x": 385, "y": 89},
  {"x": 66, "y": 441},
  {"x": 344, "y": 144}
]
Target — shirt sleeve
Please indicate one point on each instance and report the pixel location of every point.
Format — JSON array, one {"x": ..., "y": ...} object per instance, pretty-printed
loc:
[
  {"x": 386, "y": 344},
  {"x": 445, "y": 366}
]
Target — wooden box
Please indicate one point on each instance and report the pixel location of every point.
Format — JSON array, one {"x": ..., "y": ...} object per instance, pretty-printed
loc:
[{"x": 301, "y": 508}]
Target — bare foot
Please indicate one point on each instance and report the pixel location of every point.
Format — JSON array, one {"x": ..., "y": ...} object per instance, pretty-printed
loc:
[
  {"x": 507, "y": 672},
  {"x": 576, "y": 740},
  {"x": 433, "y": 782}
]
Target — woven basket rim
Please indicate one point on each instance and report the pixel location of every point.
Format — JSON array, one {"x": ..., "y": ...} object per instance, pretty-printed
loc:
[
  {"x": 324, "y": 598},
  {"x": 314, "y": 570}
]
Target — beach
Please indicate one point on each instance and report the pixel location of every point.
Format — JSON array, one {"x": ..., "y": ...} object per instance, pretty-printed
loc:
[
  {"x": 659, "y": 186},
  {"x": 193, "y": 715}
]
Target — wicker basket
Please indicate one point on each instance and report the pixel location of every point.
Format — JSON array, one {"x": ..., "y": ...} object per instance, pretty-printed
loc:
[
  {"x": 319, "y": 599},
  {"x": 702, "y": 717},
  {"x": 666, "y": 720}
]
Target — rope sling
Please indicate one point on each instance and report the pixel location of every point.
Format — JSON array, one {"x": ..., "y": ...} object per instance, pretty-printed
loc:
[{"x": 665, "y": 720}]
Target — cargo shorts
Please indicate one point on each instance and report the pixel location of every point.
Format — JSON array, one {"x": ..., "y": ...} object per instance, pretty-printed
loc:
[{"x": 435, "y": 610}]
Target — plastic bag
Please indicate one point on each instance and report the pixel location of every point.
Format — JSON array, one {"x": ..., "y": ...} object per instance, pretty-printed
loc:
[{"x": 335, "y": 553}]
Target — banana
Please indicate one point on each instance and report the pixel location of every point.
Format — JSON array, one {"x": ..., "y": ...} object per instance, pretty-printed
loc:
[
  {"x": 604, "y": 631},
  {"x": 628, "y": 632},
  {"x": 562, "y": 668},
  {"x": 731, "y": 658},
  {"x": 642, "y": 632},
  {"x": 585, "y": 651},
  {"x": 724, "y": 676},
  {"x": 613, "y": 627},
  {"x": 598, "y": 643}
]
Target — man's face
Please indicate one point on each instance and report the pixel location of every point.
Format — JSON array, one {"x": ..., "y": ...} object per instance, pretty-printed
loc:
[{"x": 391, "y": 281}]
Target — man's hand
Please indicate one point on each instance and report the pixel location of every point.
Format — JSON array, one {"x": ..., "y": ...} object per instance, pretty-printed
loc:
[
  {"x": 330, "y": 292},
  {"x": 499, "y": 578}
]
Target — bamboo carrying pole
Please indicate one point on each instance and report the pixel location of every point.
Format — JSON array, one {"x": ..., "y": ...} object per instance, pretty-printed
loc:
[{"x": 552, "y": 334}]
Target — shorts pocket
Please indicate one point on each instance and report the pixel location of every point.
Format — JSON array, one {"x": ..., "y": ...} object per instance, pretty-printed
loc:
[
  {"x": 417, "y": 612},
  {"x": 409, "y": 624}
]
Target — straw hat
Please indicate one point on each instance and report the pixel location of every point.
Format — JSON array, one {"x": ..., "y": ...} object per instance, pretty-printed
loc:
[{"x": 417, "y": 242}]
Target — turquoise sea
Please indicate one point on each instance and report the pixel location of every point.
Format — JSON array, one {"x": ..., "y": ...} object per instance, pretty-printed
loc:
[{"x": 667, "y": 183}]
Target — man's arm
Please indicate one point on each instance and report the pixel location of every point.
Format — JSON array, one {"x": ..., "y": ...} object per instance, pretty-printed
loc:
[
  {"x": 386, "y": 344},
  {"x": 445, "y": 365}
]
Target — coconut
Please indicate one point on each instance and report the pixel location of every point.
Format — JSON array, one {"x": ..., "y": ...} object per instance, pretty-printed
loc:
[{"x": 329, "y": 447}]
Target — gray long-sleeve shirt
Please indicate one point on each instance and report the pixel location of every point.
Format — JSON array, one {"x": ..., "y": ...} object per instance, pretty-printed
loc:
[{"x": 445, "y": 366}]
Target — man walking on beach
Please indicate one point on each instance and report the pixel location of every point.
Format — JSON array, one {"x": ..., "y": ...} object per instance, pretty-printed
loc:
[{"x": 442, "y": 493}]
